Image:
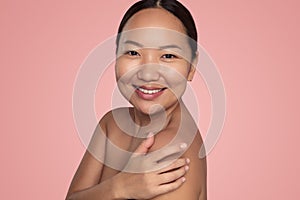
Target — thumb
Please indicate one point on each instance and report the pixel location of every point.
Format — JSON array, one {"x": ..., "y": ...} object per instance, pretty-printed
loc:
[{"x": 145, "y": 145}]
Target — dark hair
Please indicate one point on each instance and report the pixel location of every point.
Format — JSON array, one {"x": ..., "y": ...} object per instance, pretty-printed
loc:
[{"x": 172, "y": 6}]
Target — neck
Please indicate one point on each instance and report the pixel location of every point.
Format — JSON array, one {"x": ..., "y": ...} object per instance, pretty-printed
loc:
[{"x": 157, "y": 121}]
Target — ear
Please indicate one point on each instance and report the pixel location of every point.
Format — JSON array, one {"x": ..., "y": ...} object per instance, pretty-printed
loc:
[{"x": 193, "y": 67}]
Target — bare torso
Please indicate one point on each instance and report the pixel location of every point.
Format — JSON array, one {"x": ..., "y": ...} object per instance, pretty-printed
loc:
[{"x": 184, "y": 128}]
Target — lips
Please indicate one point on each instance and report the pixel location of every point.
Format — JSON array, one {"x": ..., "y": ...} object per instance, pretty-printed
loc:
[{"x": 148, "y": 93}]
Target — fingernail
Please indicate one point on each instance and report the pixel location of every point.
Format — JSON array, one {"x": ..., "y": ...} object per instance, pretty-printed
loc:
[
  {"x": 183, "y": 145},
  {"x": 186, "y": 168},
  {"x": 150, "y": 135},
  {"x": 188, "y": 160}
]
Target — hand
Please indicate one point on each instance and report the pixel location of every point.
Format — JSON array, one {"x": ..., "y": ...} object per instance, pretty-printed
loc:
[{"x": 164, "y": 175}]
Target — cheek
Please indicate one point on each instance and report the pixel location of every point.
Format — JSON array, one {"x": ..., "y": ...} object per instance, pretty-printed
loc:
[
  {"x": 176, "y": 75},
  {"x": 125, "y": 68},
  {"x": 176, "y": 78},
  {"x": 124, "y": 75},
  {"x": 119, "y": 70}
]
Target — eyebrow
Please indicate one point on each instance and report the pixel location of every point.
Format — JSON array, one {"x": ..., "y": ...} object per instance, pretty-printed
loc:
[{"x": 171, "y": 46}]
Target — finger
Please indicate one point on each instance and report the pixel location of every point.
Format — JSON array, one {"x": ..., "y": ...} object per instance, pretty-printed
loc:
[
  {"x": 168, "y": 187},
  {"x": 178, "y": 163},
  {"x": 172, "y": 175},
  {"x": 145, "y": 145}
]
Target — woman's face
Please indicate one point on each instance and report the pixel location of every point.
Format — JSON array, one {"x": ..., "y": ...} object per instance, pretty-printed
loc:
[{"x": 154, "y": 60}]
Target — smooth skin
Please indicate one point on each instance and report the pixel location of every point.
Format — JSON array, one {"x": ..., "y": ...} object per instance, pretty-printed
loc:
[
  {"x": 123, "y": 185},
  {"x": 185, "y": 178}
]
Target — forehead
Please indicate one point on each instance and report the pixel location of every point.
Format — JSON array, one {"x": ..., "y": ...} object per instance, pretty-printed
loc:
[
  {"x": 154, "y": 17},
  {"x": 153, "y": 37}
]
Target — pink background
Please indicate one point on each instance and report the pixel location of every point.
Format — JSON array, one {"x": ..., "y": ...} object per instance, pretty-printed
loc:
[{"x": 254, "y": 43}]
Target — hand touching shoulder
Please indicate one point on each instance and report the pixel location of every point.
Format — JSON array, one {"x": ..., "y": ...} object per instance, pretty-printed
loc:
[{"x": 194, "y": 187}]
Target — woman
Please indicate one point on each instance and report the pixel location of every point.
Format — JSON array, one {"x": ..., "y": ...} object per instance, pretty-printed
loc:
[{"x": 156, "y": 56}]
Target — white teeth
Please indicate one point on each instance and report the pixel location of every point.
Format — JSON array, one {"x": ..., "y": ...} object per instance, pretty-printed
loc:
[{"x": 148, "y": 91}]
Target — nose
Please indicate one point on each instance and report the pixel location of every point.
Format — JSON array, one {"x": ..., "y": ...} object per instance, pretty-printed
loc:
[{"x": 148, "y": 72}]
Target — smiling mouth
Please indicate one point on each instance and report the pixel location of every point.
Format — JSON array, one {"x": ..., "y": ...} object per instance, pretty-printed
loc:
[{"x": 150, "y": 91}]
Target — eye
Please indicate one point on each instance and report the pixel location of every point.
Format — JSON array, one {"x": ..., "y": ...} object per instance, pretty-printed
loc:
[
  {"x": 169, "y": 56},
  {"x": 132, "y": 53}
]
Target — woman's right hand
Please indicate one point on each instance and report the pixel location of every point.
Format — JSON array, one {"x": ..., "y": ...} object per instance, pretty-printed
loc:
[{"x": 137, "y": 181}]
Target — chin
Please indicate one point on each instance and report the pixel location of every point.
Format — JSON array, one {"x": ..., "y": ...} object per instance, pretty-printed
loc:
[{"x": 152, "y": 109}]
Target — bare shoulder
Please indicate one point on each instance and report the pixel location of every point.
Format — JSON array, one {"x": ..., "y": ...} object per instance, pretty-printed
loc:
[
  {"x": 196, "y": 176},
  {"x": 118, "y": 138},
  {"x": 194, "y": 187},
  {"x": 116, "y": 124},
  {"x": 116, "y": 117},
  {"x": 108, "y": 118},
  {"x": 105, "y": 130},
  {"x": 90, "y": 168}
]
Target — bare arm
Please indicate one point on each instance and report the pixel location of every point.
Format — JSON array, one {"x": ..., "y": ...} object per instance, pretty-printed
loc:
[
  {"x": 194, "y": 187},
  {"x": 195, "y": 184},
  {"x": 85, "y": 182},
  {"x": 125, "y": 185}
]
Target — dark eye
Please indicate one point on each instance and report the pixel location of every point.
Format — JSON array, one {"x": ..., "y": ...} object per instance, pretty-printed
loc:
[
  {"x": 169, "y": 56},
  {"x": 132, "y": 53}
]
